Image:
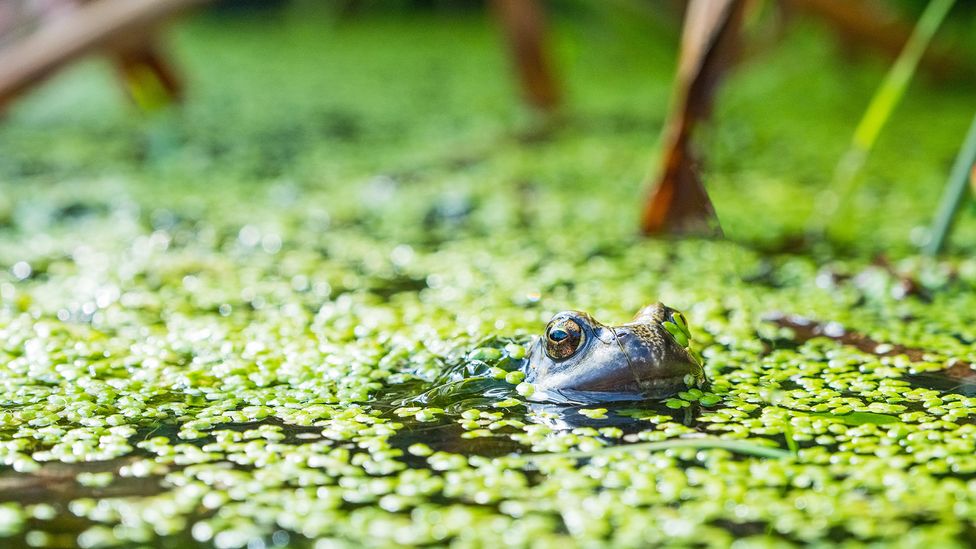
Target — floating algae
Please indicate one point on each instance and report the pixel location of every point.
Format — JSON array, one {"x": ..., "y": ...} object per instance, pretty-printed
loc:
[{"x": 326, "y": 359}]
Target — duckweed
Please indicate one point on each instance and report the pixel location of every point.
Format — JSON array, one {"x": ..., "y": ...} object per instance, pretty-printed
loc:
[
  {"x": 302, "y": 319},
  {"x": 594, "y": 413},
  {"x": 515, "y": 377}
]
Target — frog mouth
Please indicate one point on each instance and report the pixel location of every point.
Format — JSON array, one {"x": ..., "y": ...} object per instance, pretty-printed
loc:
[
  {"x": 623, "y": 351},
  {"x": 650, "y": 383},
  {"x": 621, "y": 377},
  {"x": 659, "y": 387}
]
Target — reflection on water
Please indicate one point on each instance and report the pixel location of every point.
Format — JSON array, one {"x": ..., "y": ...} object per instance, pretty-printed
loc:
[{"x": 623, "y": 416}]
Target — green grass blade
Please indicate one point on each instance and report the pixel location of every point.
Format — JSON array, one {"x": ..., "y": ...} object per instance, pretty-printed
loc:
[
  {"x": 746, "y": 447},
  {"x": 879, "y": 110},
  {"x": 952, "y": 196}
]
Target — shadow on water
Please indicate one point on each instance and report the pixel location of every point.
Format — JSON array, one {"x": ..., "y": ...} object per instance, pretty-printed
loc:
[
  {"x": 626, "y": 416},
  {"x": 958, "y": 377},
  {"x": 57, "y": 481}
]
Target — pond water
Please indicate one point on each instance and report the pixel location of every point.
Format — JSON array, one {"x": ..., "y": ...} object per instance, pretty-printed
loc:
[
  {"x": 292, "y": 318},
  {"x": 465, "y": 442}
]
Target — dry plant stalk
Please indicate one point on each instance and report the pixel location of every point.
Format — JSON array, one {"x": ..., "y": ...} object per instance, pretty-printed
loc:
[{"x": 113, "y": 25}]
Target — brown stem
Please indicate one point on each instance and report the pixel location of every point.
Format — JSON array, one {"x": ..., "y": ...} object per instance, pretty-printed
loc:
[
  {"x": 97, "y": 25},
  {"x": 524, "y": 24},
  {"x": 679, "y": 202},
  {"x": 147, "y": 61}
]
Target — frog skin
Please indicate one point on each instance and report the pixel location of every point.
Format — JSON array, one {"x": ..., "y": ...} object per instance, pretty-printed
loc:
[{"x": 580, "y": 360}]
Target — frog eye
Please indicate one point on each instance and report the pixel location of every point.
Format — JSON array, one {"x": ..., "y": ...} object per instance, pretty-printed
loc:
[
  {"x": 678, "y": 328},
  {"x": 563, "y": 338}
]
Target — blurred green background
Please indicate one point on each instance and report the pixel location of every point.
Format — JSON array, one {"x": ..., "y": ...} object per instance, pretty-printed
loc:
[{"x": 328, "y": 96}]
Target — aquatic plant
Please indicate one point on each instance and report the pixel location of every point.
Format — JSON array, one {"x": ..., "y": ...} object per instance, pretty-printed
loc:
[{"x": 303, "y": 325}]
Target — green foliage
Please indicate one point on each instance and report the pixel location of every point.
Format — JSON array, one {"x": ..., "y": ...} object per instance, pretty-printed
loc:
[
  {"x": 879, "y": 110},
  {"x": 297, "y": 314}
]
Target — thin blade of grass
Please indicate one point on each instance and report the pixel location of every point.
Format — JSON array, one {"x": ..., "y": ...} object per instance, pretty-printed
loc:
[
  {"x": 745, "y": 447},
  {"x": 955, "y": 190},
  {"x": 887, "y": 96}
]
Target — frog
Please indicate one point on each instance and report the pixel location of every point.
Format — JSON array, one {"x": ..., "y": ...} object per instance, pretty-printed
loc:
[{"x": 581, "y": 360}]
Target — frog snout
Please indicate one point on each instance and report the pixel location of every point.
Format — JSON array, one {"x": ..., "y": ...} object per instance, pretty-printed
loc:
[{"x": 640, "y": 359}]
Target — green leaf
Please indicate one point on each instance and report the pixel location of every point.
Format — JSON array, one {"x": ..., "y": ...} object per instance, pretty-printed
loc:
[
  {"x": 676, "y": 403},
  {"x": 859, "y": 418},
  {"x": 676, "y": 333},
  {"x": 679, "y": 320}
]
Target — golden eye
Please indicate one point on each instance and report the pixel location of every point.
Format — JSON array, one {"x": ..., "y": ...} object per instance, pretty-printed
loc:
[{"x": 563, "y": 338}]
